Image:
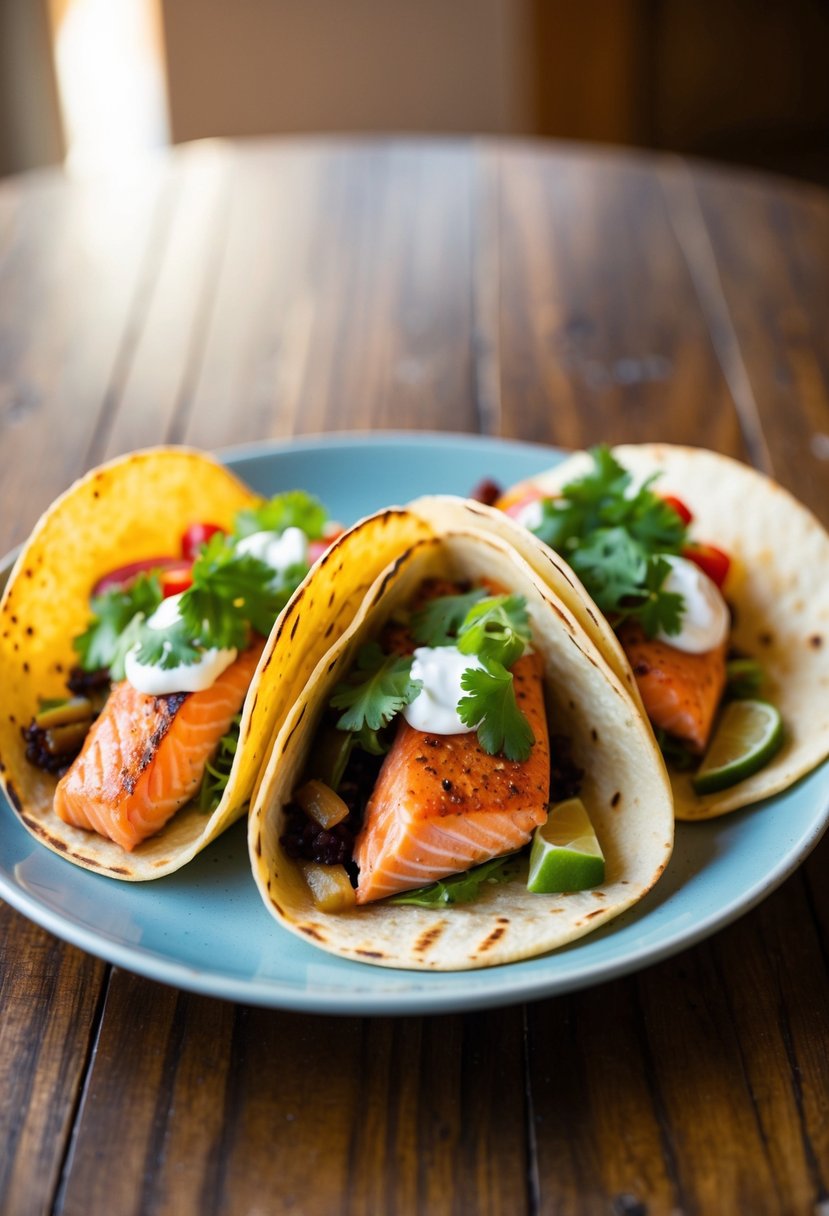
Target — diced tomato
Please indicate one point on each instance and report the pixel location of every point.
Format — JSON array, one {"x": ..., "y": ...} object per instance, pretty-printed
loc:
[
  {"x": 176, "y": 580},
  {"x": 679, "y": 506},
  {"x": 196, "y": 536},
  {"x": 711, "y": 561},
  {"x": 124, "y": 575},
  {"x": 316, "y": 548}
]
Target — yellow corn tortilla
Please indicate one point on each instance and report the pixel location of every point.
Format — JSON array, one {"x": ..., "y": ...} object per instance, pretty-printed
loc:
[
  {"x": 625, "y": 787},
  {"x": 778, "y": 588},
  {"x": 132, "y": 508}
]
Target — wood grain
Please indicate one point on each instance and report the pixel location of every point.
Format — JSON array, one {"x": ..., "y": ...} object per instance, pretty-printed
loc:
[{"x": 236, "y": 292}]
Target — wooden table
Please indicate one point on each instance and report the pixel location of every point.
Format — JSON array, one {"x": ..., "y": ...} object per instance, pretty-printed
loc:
[{"x": 229, "y": 293}]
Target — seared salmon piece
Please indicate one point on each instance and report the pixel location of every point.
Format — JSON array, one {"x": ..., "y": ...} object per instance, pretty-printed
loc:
[
  {"x": 144, "y": 757},
  {"x": 680, "y": 691},
  {"x": 441, "y": 804}
]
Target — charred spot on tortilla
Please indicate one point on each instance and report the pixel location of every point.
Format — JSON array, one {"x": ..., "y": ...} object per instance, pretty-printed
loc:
[
  {"x": 594, "y": 734},
  {"x": 816, "y": 641},
  {"x": 295, "y": 625},
  {"x": 596, "y": 911},
  {"x": 311, "y": 931},
  {"x": 294, "y": 728},
  {"x": 492, "y": 940},
  {"x": 370, "y": 953},
  {"x": 258, "y": 844},
  {"x": 429, "y": 937},
  {"x": 329, "y": 630},
  {"x": 616, "y": 799},
  {"x": 766, "y": 638}
]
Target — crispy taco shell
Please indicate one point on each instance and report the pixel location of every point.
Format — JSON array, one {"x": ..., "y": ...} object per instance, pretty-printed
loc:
[
  {"x": 625, "y": 787},
  {"x": 132, "y": 508},
  {"x": 777, "y": 587}
]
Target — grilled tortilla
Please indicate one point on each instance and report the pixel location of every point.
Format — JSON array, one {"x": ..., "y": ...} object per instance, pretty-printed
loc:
[{"x": 625, "y": 785}]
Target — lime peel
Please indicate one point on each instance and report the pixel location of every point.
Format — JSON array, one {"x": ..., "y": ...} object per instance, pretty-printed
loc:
[
  {"x": 748, "y": 736},
  {"x": 565, "y": 853}
]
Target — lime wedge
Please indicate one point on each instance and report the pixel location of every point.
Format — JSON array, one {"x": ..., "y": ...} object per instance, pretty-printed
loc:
[
  {"x": 565, "y": 854},
  {"x": 748, "y": 735}
]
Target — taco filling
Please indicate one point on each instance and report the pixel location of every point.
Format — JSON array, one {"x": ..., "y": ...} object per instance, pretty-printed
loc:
[
  {"x": 164, "y": 667},
  {"x": 663, "y": 594},
  {"x": 443, "y": 744},
  {"x": 430, "y": 753}
]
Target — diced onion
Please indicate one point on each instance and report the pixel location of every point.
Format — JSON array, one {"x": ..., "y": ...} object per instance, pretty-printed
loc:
[
  {"x": 320, "y": 803},
  {"x": 330, "y": 886}
]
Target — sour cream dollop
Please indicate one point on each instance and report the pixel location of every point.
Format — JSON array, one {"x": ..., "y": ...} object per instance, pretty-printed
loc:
[
  {"x": 705, "y": 618},
  {"x": 435, "y": 708},
  {"x": 278, "y": 550},
  {"x": 531, "y": 514},
  {"x": 184, "y": 677}
]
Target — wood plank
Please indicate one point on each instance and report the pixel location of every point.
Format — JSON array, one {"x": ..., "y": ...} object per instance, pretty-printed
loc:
[
  {"x": 193, "y": 1106},
  {"x": 600, "y": 330},
  {"x": 772, "y": 254},
  {"x": 69, "y": 281},
  {"x": 599, "y": 1135},
  {"x": 354, "y": 261},
  {"x": 49, "y": 995}
]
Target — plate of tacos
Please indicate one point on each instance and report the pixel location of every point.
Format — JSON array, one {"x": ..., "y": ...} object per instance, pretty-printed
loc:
[{"x": 290, "y": 829}]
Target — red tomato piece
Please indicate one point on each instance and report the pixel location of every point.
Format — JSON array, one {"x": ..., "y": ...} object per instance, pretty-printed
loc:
[
  {"x": 124, "y": 575},
  {"x": 711, "y": 560},
  {"x": 176, "y": 580},
  {"x": 196, "y": 536},
  {"x": 679, "y": 506},
  {"x": 316, "y": 548}
]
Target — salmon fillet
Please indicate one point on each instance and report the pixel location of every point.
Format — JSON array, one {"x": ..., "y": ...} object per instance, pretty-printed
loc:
[
  {"x": 680, "y": 691},
  {"x": 441, "y": 804},
  {"x": 144, "y": 757}
]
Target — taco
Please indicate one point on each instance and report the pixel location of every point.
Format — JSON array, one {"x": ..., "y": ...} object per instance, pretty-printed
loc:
[
  {"x": 425, "y": 863},
  {"x": 741, "y": 709},
  {"x": 160, "y": 625}
]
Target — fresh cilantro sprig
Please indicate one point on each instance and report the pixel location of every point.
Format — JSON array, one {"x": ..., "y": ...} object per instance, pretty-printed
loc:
[
  {"x": 460, "y": 888},
  {"x": 491, "y": 708},
  {"x": 116, "y": 617},
  {"x": 616, "y": 540},
  {"x": 438, "y": 621},
  {"x": 378, "y": 687},
  {"x": 496, "y": 629},
  {"x": 293, "y": 509}
]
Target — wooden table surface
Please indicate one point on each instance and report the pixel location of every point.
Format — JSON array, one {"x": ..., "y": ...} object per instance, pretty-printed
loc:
[{"x": 238, "y": 292}]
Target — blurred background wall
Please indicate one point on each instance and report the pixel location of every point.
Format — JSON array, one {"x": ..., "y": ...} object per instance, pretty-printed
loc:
[{"x": 738, "y": 80}]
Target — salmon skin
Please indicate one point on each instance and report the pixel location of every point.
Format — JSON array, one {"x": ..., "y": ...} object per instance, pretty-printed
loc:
[
  {"x": 680, "y": 691},
  {"x": 442, "y": 804},
  {"x": 145, "y": 756}
]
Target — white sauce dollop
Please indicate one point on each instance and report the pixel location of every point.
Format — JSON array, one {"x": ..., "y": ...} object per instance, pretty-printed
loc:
[
  {"x": 280, "y": 551},
  {"x": 530, "y": 515},
  {"x": 185, "y": 677},
  {"x": 435, "y": 708},
  {"x": 705, "y": 619}
]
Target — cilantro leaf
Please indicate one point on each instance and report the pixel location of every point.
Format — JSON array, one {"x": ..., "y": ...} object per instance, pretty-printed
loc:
[
  {"x": 217, "y": 771},
  {"x": 744, "y": 678},
  {"x": 438, "y": 621},
  {"x": 101, "y": 644},
  {"x": 497, "y": 628},
  {"x": 378, "y": 688},
  {"x": 293, "y": 509},
  {"x": 615, "y": 539},
  {"x": 492, "y": 708},
  {"x": 460, "y": 888},
  {"x": 170, "y": 647},
  {"x": 660, "y": 610}
]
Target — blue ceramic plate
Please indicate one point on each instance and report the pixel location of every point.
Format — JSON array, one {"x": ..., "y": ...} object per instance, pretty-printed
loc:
[{"x": 205, "y": 927}]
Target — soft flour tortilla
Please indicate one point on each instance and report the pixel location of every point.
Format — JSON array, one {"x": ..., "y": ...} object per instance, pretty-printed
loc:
[
  {"x": 133, "y": 508},
  {"x": 625, "y": 788},
  {"x": 778, "y": 588}
]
